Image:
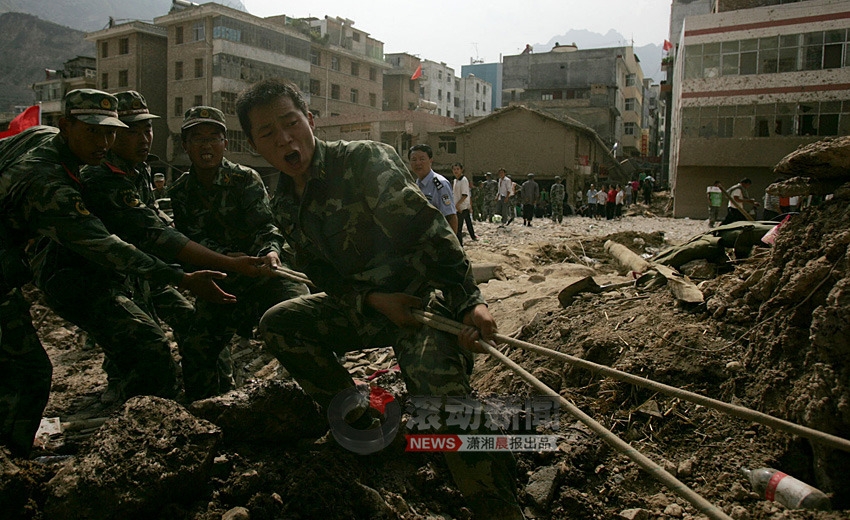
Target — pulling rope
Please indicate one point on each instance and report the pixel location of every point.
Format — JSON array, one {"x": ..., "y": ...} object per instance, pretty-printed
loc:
[
  {"x": 701, "y": 504},
  {"x": 740, "y": 412}
]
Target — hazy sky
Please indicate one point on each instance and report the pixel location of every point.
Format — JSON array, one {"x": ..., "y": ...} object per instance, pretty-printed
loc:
[{"x": 455, "y": 31}]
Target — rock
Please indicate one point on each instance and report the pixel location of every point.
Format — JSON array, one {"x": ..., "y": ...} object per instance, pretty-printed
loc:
[
  {"x": 237, "y": 513},
  {"x": 686, "y": 468},
  {"x": 738, "y": 492},
  {"x": 674, "y": 510},
  {"x": 536, "y": 278},
  {"x": 548, "y": 377},
  {"x": 734, "y": 366},
  {"x": 268, "y": 411},
  {"x": 740, "y": 513},
  {"x": 658, "y": 501},
  {"x": 669, "y": 467},
  {"x": 376, "y": 506},
  {"x": 151, "y": 453},
  {"x": 634, "y": 514},
  {"x": 541, "y": 486}
]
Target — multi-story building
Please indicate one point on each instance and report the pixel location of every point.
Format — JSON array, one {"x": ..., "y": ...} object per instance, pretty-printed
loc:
[
  {"x": 79, "y": 72},
  {"x": 474, "y": 100},
  {"x": 492, "y": 74},
  {"x": 750, "y": 86},
  {"x": 602, "y": 88},
  {"x": 438, "y": 86},
  {"x": 130, "y": 56},
  {"x": 347, "y": 68},
  {"x": 401, "y": 92},
  {"x": 214, "y": 52}
]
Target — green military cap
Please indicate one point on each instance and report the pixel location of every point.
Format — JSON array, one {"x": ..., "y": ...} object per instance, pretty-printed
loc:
[
  {"x": 557, "y": 177},
  {"x": 530, "y": 175},
  {"x": 93, "y": 107},
  {"x": 198, "y": 115},
  {"x": 132, "y": 107}
]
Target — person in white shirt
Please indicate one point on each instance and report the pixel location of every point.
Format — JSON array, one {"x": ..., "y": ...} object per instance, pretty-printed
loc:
[
  {"x": 463, "y": 202},
  {"x": 503, "y": 196}
]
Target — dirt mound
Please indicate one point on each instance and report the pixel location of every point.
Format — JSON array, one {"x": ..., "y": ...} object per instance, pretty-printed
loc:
[{"x": 772, "y": 336}]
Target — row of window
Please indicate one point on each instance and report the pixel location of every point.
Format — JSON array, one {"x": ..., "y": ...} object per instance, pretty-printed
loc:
[
  {"x": 353, "y": 94},
  {"x": 251, "y": 71},
  {"x": 198, "y": 73},
  {"x": 785, "y": 53},
  {"x": 123, "y": 80},
  {"x": 336, "y": 65},
  {"x": 823, "y": 118},
  {"x": 230, "y": 29},
  {"x": 123, "y": 47},
  {"x": 180, "y": 108}
]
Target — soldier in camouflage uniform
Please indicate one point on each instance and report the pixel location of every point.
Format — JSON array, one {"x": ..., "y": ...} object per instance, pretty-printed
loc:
[
  {"x": 557, "y": 193},
  {"x": 363, "y": 232},
  {"x": 489, "y": 197},
  {"x": 40, "y": 196},
  {"x": 224, "y": 206},
  {"x": 120, "y": 311}
]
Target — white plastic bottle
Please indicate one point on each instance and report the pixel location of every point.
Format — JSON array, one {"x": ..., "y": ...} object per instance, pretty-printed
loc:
[{"x": 771, "y": 484}]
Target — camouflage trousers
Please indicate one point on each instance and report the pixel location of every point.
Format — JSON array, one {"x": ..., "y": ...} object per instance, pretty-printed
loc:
[
  {"x": 127, "y": 331},
  {"x": 307, "y": 333},
  {"x": 558, "y": 210},
  {"x": 205, "y": 349},
  {"x": 25, "y": 373},
  {"x": 487, "y": 206}
]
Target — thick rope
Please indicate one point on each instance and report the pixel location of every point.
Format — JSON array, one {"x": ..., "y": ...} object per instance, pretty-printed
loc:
[{"x": 704, "y": 506}]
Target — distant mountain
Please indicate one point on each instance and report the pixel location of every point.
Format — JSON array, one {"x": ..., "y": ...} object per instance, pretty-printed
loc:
[
  {"x": 649, "y": 55},
  {"x": 28, "y": 46},
  {"x": 93, "y": 15}
]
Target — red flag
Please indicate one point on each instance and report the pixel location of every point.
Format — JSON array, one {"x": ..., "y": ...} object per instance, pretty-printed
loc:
[
  {"x": 29, "y": 117},
  {"x": 667, "y": 45},
  {"x": 418, "y": 73}
]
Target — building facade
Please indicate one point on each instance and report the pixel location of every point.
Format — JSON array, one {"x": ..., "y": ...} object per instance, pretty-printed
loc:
[
  {"x": 131, "y": 56},
  {"x": 79, "y": 72},
  {"x": 751, "y": 86},
  {"x": 492, "y": 74},
  {"x": 602, "y": 88}
]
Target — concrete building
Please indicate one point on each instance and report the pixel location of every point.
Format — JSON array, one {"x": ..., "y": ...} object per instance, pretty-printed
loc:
[
  {"x": 550, "y": 146},
  {"x": 131, "y": 56},
  {"x": 474, "y": 100},
  {"x": 750, "y": 86},
  {"x": 492, "y": 74},
  {"x": 79, "y": 72},
  {"x": 347, "y": 66},
  {"x": 400, "y": 91},
  {"x": 602, "y": 88},
  {"x": 214, "y": 52}
]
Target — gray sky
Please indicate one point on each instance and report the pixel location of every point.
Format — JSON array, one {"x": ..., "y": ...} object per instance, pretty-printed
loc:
[{"x": 455, "y": 31}]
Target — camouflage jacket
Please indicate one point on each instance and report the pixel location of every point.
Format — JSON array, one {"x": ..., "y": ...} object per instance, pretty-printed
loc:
[
  {"x": 120, "y": 194},
  {"x": 557, "y": 192},
  {"x": 490, "y": 188},
  {"x": 233, "y": 217},
  {"x": 363, "y": 225},
  {"x": 40, "y": 195}
]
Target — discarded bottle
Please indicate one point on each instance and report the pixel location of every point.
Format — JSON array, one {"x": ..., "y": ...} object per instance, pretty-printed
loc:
[{"x": 773, "y": 485}]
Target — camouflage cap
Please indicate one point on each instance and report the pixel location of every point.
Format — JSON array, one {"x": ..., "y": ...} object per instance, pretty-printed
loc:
[
  {"x": 198, "y": 115},
  {"x": 93, "y": 107},
  {"x": 530, "y": 175},
  {"x": 132, "y": 107},
  {"x": 557, "y": 177}
]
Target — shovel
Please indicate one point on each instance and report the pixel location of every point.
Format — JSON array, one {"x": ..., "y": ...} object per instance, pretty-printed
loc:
[{"x": 587, "y": 284}]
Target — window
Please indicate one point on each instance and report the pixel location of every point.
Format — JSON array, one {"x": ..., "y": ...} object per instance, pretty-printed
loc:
[
  {"x": 123, "y": 78},
  {"x": 104, "y": 49},
  {"x": 355, "y": 68},
  {"x": 631, "y": 104},
  {"x": 228, "y": 102},
  {"x": 334, "y": 63},
  {"x": 373, "y": 99},
  {"x": 198, "y": 31},
  {"x": 448, "y": 113},
  {"x": 448, "y": 144},
  {"x": 477, "y": 104},
  {"x": 334, "y": 91},
  {"x": 484, "y": 106},
  {"x": 448, "y": 97},
  {"x": 315, "y": 87},
  {"x": 477, "y": 88},
  {"x": 104, "y": 80},
  {"x": 355, "y": 36},
  {"x": 439, "y": 74},
  {"x": 199, "y": 67},
  {"x": 485, "y": 90},
  {"x": 178, "y": 34},
  {"x": 178, "y": 70},
  {"x": 315, "y": 57},
  {"x": 440, "y": 94},
  {"x": 373, "y": 74},
  {"x": 630, "y": 128},
  {"x": 630, "y": 80},
  {"x": 355, "y": 94},
  {"x": 178, "y": 107},
  {"x": 236, "y": 142},
  {"x": 546, "y": 97},
  {"x": 199, "y": 100},
  {"x": 124, "y": 46}
]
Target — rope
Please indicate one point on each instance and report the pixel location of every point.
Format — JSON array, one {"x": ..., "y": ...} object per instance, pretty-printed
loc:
[{"x": 701, "y": 504}]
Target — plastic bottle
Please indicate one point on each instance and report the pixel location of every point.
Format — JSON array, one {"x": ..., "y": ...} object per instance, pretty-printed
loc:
[{"x": 771, "y": 484}]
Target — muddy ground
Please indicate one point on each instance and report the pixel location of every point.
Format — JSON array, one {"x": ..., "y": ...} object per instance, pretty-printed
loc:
[{"x": 772, "y": 335}]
